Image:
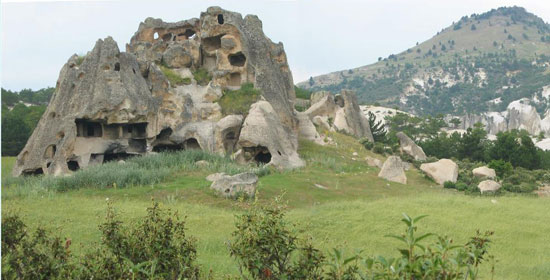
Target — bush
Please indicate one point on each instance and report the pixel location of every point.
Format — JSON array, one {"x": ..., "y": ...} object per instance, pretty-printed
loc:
[
  {"x": 174, "y": 78},
  {"x": 520, "y": 188},
  {"x": 37, "y": 256},
  {"x": 379, "y": 148},
  {"x": 156, "y": 247},
  {"x": 302, "y": 93},
  {"x": 461, "y": 186},
  {"x": 265, "y": 248},
  {"x": 202, "y": 76},
  {"x": 449, "y": 185},
  {"x": 366, "y": 143},
  {"x": 239, "y": 101},
  {"x": 501, "y": 167}
]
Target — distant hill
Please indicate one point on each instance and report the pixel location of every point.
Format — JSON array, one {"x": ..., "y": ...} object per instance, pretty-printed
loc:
[{"x": 480, "y": 63}]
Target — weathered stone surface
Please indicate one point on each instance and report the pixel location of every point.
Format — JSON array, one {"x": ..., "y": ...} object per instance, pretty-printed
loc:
[
  {"x": 484, "y": 172},
  {"x": 321, "y": 122},
  {"x": 201, "y": 163},
  {"x": 344, "y": 112},
  {"x": 409, "y": 147},
  {"x": 521, "y": 115},
  {"x": 441, "y": 171},
  {"x": 264, "y": 139},
  {"x": 307, "y": 129},
  {"x": 374, "y": 162},
  {"x": 488, "y": 186},
  {"x": 232, "y": 186},
  {"x": 392, "y": 170},
  {"x": 317, "y": 96},
  {"x": 117, "y": 104},
  {"x": 215, "y": 176}
]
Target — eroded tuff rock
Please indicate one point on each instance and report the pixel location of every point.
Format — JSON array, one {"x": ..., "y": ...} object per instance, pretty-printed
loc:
[
  {"x": 393, "y": 170},
  {"x": 409, "y": 147},
  {"x": 341, "y": 113},
  {"x": 441, "y": 171},
  {"x": 113, "y": 104},
  {"x": 233, "y": 186},
  {"x": 484, "y": 172}
]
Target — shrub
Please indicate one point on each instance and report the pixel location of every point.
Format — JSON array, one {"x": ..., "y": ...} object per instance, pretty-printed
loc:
[
  {"x": 502, "y": 168},
  {"x": 366, "y": 143},
  {"x": 378, "y": 148},
  {"x": 449, "y": 185},
  {"x": 174, "y": 78},
  {"x": 302, "y": 93},
  {"x": 36, "y": 256},
  {"x": 265, "y": 247},
  {"x": 156, "y": 247},
  {"x": 239, "y": 101},
  {"x": 202, "y": 76},
  {"x": 461, "y": 186}
]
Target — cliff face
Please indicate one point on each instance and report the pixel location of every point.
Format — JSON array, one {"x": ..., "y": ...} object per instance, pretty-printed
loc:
[{"x": 162, "y": 94}]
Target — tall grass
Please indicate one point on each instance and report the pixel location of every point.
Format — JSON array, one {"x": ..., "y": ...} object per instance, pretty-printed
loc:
[{"x": 137, "y": 171}]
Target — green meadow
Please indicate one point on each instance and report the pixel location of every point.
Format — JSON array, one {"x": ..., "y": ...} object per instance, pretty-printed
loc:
[{"x": 353, "y": 211}]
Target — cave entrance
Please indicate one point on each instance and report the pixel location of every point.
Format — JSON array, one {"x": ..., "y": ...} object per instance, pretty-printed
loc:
[
  {"x": 33, "y": 172},
  {"x": 134, "y": 130},
  {"x": 87, "y": 128},
  {"x": 73, "y": 165},
  {"x": 263, "y": 156},
  {"x": 220, "y": 19},
  {"x": 116, "y": 156},
  {"x": 212, "y": 43},
  {"x": 192, "y": 144},
  {"x": 168, "y": 148},
  {"x": 237, "y": 59},
  {"x": 234, "y": 79}
]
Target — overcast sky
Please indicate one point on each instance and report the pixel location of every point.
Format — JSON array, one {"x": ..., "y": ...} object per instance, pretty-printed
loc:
[{"x": 319, "y": 36}]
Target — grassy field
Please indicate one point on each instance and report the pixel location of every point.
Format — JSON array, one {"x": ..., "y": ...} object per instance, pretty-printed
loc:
[{"x": 355, "y": 211}]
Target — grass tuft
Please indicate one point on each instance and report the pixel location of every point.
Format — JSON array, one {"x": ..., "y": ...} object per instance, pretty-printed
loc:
[
  {"x": 174, "y": 78},
  {"x": 239, "y": 101}
]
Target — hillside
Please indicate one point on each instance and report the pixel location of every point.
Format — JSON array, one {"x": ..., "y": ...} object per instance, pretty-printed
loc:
[{"x": 480, "y": 63}]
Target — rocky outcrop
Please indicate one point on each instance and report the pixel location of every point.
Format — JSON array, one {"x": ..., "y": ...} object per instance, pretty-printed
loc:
[
  {"x": 317, "y": 96},
  {"x": 161, "y": 95},
  {"x": 340, "y": 113},
  {"x": 393, "y": 170},
  {"x": 488, "y": 186},
  {"x": 264, "y": 139},
  {"x": 409, "y": 147},
  {"x": 441, "y": 171},
  {"x": 233, "y": 186},
  {"x": 484, "y": 172},
  {"x": 521, "y": 115},
  {"x": 307, "y": 130}
]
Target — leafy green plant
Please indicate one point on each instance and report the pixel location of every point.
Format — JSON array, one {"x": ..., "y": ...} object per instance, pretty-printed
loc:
[
  {"x": 174, "y": 78},
  {"x": 449, "y": 185},
  {"x": 366, "y": 143},
  {"x": 36, "y": 256},
  {"x": 155, "y": 247},
  {"x": 265, "y": 247},
  {"x": 202, "y": 76},
  {"x": 302, "y": 93},
  {"x": 239, "y": 101}
]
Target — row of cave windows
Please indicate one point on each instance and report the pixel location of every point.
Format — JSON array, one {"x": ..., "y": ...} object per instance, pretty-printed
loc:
[
  {"x": 85, "y": 128},
  {"x": 188, "y": 34}
]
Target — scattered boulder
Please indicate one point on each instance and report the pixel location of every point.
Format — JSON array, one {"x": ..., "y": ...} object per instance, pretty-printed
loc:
[
  {"x": 264, "y": 140},
  {"x": 232, "y": 186},
  {"x": 307, "y": 130},
  {"x": 374, "y": 162},
  {"x": 201, "y": 163},
  {"x": 484, "y": 172},
  {"x": 409, "y": 147},
  {"x": 488, "y": 186},
  {"x": 215, "y": 176},
  {"x": 441, "y": 171},
  {"x": 393, "y": 170}
]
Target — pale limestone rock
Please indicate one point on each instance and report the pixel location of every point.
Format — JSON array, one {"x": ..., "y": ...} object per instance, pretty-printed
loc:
[
  {"x": 232, "y": 186},
  {"x": 374, "y": 162},
  {"x": 484, "y": 172},
  {"x": 488, "y": 186},
  {"x": 409, "y": 147},
  {"x": 441, "y": 171},
  {"x": 393, "y": 170}
]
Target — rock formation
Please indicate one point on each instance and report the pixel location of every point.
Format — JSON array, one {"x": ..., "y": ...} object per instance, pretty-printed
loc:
[
  {"x": 484, "y": 172},
  {"x": 162, "y": 94},
  {"x": 409, "y": 147},
  {"x": 441, "y": 171},
  {"x": 393, "y": 170},
  {"x": 341, "y": 113},
  {"x": 233, "y": 186},
  {"x": 373, "y": 162},
  {"x": 488, "y": 186}
]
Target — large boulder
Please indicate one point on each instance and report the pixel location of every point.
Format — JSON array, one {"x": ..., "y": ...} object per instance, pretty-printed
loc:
[
  {"x": 344, "y": 112},
  {"x": 373, "y": 162},
  {"x": 233, "y": 186},
  {"x": 393, "y": 170},
  {"x": 409, "y": 147},
  {"x": 263, "y": 139},
  {"x": 441, "y": 171},
  {"x": 488, "y": 186},
  {"x": 307, "y": 130},
  {"x": 484, "y": 172}
]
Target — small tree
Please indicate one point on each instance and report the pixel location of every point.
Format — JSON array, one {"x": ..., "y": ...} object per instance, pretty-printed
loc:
[
  {"x": 377, "y": 128},
  {"x": 455, "y": 122}
]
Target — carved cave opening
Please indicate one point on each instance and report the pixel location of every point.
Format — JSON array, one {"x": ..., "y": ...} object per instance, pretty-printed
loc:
[
  {"x": 192, "y": 144},
  {"x": 212, "y": 43},
  {"x": 237, "y": 59},
  {"x": 116, "y": 156},
  {"x": 73, "y": 165},
  {"x": 234, "y": 80},
  {"x": 50, "y": 151},
  {"x": 220, "y": 19},
  {"x": 117, "y": 66},
  {"x": 87, "y": 128},
  {"x": 259, "y": 154},
  {"x": 168, "y": 148},
  {"x": 33, "y": 172},
  {"x": 167, "y": 37}
]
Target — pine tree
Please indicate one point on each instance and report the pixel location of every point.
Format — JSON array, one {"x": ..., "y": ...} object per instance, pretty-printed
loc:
[{"x": 377, "y": 128}]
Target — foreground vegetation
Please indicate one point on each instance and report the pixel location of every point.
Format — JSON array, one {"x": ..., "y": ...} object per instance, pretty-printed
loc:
[{"x": 353, "y": 212}]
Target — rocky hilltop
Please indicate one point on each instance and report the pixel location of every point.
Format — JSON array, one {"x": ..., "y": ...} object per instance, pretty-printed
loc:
[{"x": 167, "y": 92}]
